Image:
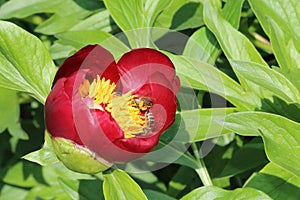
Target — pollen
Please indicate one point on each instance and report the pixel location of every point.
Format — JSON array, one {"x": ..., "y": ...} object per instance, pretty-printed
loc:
[
  {"x": 129, "y": 115},
  {"x": 101, "y": 91},
  {"x": 129, "y": 118}
]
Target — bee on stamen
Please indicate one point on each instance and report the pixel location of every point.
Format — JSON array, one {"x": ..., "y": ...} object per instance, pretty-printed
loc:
[
  {"x": 150, "y": 124},
  {"x": 143, "y": 103}
]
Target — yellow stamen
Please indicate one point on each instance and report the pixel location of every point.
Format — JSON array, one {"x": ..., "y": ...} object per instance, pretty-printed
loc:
[
  {"x": 101, "y": 91},
  {"x": 129, "y": 118},
  {"x": 123, "y": 108}
]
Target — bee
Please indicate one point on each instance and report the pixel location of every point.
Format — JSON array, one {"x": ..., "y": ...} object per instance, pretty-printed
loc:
[
  {"x": 150, "y": 124},
  {"x": 143, "y": 103}
]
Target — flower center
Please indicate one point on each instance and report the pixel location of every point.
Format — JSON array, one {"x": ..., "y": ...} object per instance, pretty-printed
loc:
[{"x": 130, "y": 112}]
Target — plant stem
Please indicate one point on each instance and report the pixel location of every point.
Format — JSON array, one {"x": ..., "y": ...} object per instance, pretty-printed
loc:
[{"x": 201, "y": 170}]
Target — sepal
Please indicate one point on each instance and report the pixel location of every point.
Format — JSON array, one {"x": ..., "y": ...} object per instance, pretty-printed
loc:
[{"x": 78, "y": 158}]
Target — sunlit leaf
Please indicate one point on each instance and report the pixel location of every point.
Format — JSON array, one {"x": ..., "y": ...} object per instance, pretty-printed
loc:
[
  {"x": 276, "y": 182},
  {"x": 119, "y": 185},
  {"x": 211, "y": 193},
  {"x": 269, "y": 79},
  {"x": 25, "y": 62},
  {"x": 281, "y": 136}
]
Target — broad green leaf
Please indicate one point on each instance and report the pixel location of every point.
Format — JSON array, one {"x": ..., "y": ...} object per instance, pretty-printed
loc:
[
  {"x": 9, "y": 119},
  {"x": 25, "y": 62},
  {"x": 181, "y": 179},
  {"x": 45, "y": 156},
  {"x": 21, "y": 9},
  {"x": 243, "y": 159},
  {"x": 9, "y": 192},
  {"x": 9, "y": 108},
  {"x": 203, "y": 45},
  {"x": 153, "y": 8},
  {"x": 151, "y": 194},
  {"x": 79, "y": 39},
  {"x": 119, "y": 185},
  {"x": 130, "y": 17},
  {"x": 276, "y": 182},
  {"x": 281, "y": 136},
  {"x": 269, "y": 79},
  {"x": 60, "y": 23},
  {"x": 136, "y": 18},
  {"x": 47, "y": 192},
  {"x": 188, "y": 16},
  {"x": 174, "y": 152},
  {"x": 203, "y": 76},
  {"x": 291, "y": 74},
  {"x": 165, "y": 17},
  {"x": 127, "y": 14},
  {"x": 82, "y": 189},
  {"x": 202, "y": 124},
  {"x": 100, "y": 20},
  {"x": 24, "y": 174},
  {"x": 280, "y": 107},
  {"x": 234, "y": 44},
  {"x": 285, "y": 13},
  {"x": 211, "y": 193},
  {"x": 285, "y": 48}
]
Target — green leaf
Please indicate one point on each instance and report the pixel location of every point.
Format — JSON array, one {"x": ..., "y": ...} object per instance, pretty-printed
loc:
[
  {"x": 100, "y": 20},
  {"x": 211, "y": 193},
  {"x": 10, "y": 192},
  {"x": 284, "y": 46},
  {"x": 151, "y": 194},
  {"x": 24, "y": 174},
  {"x": 25, "y": 62},
  {"x": 47, "y": 192},
  {"x": 21, "y": 9},
  {"x": 269, "y": 79},
  {"x": 9, "y": 108},
  {"x": 234, "y": 44},
  {"x": 60, "y": 23},
  {"x": 131, "y": 19},
  {"x": 82, "y": 189},
  {"x": 203, "y": 45},
  {"x": 165, "y": 17},
  {"x": 45, "y": 156},
  {"x": 119, "y": 185},
  {"x": 202, "y": 124},
  {"x": 203, "y": 76},
  {"x": 79, "y": 39},
  {"x": 285, "y": 13},
  {"x": 281, "y": 136},
  {"x": 175, "y": 152},
  {"x": 181, "y": 179},
  {"x": 243, "y": 159},
  {"x": 276, "y": 182},
  {"x": 188, "y": 16},
  {"x": 136, "y": 18}
]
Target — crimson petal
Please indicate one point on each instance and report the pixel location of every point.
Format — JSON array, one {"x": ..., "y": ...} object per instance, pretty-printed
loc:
[
  {"x": 93, "y": 57},
  {"x": 58, "y": 106},
  {"x": 137, "y": 65}
]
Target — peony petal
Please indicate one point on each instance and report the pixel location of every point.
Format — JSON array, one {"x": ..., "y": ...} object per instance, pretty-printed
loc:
[
  {"x": 92, "y": 57},
  {"x": 135, "y": 67},
  {"x": 58, "y": 114},
  {"x": 100, "y": 133},
  {"x": 159, "y": 89}
]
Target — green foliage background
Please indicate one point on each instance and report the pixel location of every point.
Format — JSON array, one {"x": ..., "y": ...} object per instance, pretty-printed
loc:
[{"x": 246, "y": 53}]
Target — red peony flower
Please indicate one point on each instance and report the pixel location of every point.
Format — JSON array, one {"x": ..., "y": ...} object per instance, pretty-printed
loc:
[{"x": 114, "y": 111}]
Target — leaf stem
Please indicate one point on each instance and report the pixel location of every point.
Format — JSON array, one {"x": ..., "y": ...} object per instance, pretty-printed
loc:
[{"x": 201, "y": 170}]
